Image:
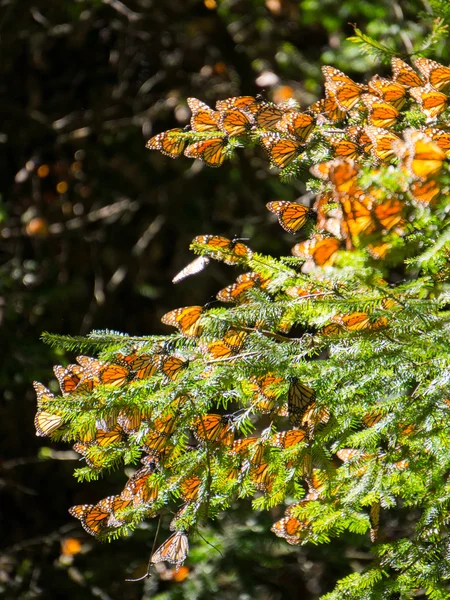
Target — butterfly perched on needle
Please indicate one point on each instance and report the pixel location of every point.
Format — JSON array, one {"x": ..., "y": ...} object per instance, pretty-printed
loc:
[
  {"x": 237, "y": 292},
  {"x": 235, "y": 122},
  {"x": 174, "y": 550},
  {"x": 300, "y": 398},
  {"x": 168, "y": 142},
  {"x": 346, "y": 148},
  {"x": 389, "y": 91},
  {"x": 93, "y": 517},
  {"x": 245, "y": 103},
  {"x": 221, "y": 248},
  {"x": 380, "y": 113},
  {"x": 230, "y": 345},
  {"x": 290, "y": 528},
  {"x": 299, "y": 125},
  {"x": 291, "y": 215},
  {"x": 281, "y": 150},
  {"x": 437, "y": 75},
  {"x": 328, "y": 109},
  {"x": 211, "y": 151},
  {"x": 186, "y": 320},
  {"x": 214, "y": 428},
  {"x": 404, "y": 74},
  {"x": 322, "y": 250},
  {"x": 432, "y": 102},
  {"x": 287, "y": 439},
  {"x": 203, "y": 117},
  {"x": 341, "y": 88}
]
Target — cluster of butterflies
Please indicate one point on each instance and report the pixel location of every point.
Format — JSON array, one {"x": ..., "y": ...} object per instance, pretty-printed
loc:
[
  {"x": 285, "y": 132},
  {"x": 247, "y": 457}
]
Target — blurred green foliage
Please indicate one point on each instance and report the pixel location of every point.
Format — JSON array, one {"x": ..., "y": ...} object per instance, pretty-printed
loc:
[{"x": 93, "y": 227}]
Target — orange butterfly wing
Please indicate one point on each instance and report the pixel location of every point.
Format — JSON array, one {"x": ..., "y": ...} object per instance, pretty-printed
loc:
[
  {"x": 211, "y": 151},
  {"x": 167, "y": 142},
  {"x": 291, "y": 215}
]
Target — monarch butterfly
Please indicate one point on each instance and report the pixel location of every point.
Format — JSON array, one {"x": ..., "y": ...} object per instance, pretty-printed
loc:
[
  {"x": 203, "y": 117},
  {"x": 404, "y": 74},
  {"x": 346, "y": 148},
  {"x": 211, "y": 151},
  {"x": 93, "y": 518},
  {"x": 420, "y": 155},
  {"x": 425, "y": 192},
  {"x": 281, "y": 151},
  {"x": 139, "y": 489},
  {"x": 440, "y": 136},
  {"x": 268, "y": 115},
  {"x": 43, "y": 394},
  {"x": 381, "y": 114},
  {"x": 68, "y": 377},
  {"x": 266, "y": 387},
  {"x": 237, "y": 291},
  {"x": 374, "y": 516},
  {"x": 359, "y": 135},
  {"x": 105, "y": 438},
  {"x": 329, "y": 108},
  {"x": 289, "y": 528},
  {"x": 213, "y": 428},
  {"x": 391, "y": 92},
  {"x": 171, "y": 366},
  {"x": 112, "y": 504},
  {"x": 185, "y": 320},
  {"x": 342, "y": 88},
  {"x": 46, "y": 422},
  {"x": 168, "y": 142},
  {"x": 291, "y": 215},
  {"x": 321, "y": 249},
  {"x": 432, "y": 103},
  {"x": 243, "y": 445},
  {"x": 130, "y": 419},
  {"x": 436, "y": 74},
  {"x": 155, "y": 443},
  {"x": 261, "y": 477},
  {"x": 372, "y": 418},
  {"x": 247, "y": 103},
  {"x": 230, "y": 251},
  {"x": 189, "y": 488},
  {"x": 341, "y": 173},
  {"x": 300, "y": 398},
  {"x": 194, "y": 267},
  {"x": 235, "y": 122},
  {"x": 165, "y": 425},
  {"x": 287, "y": 439},
  {"x": 142, "y": 366},
  {"x": 230, "y": 344},
  {"x": 115, "y": 375},
  {"x": 382, "y": 142},
  {"x": 346, "y": 93},
  {"x": 314, "y": 416},
  {"x": 174, "y": 550},
  {"x": 298, "y": 124},
  {"x": 348, "y": 454},
  {"x": 91, "y": 453}
]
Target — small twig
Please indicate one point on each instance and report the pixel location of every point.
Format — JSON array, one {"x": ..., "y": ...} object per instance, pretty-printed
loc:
[{"x": 151, "y": 554}]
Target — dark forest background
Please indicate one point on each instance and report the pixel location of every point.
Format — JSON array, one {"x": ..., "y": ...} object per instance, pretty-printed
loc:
[{"x": 93, "y": 227}]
